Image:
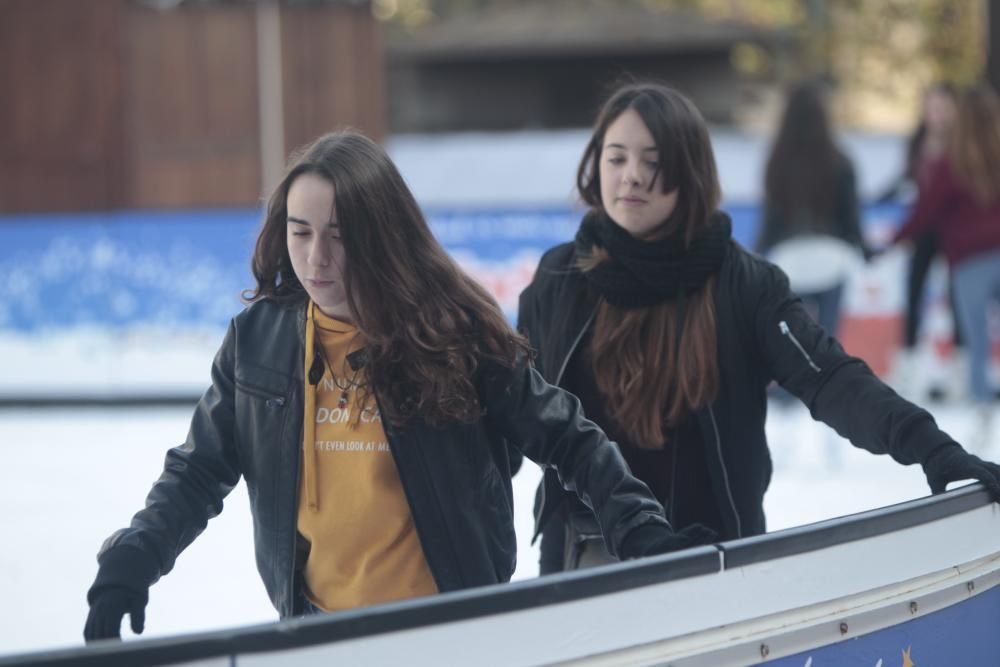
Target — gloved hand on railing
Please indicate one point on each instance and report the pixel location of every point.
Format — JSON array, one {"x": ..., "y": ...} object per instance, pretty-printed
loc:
[
  {"x": 108, "y": 607},
  {"x": 951, "y": 463},
  {"x": 121, "y": 587},
  {"x": 651, "y": 539}
]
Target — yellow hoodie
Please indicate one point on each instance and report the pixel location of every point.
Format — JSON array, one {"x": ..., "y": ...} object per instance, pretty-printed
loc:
[{"x": 364, "y": 547}]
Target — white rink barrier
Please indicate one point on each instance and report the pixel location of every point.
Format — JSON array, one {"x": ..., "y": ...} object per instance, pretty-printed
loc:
[{"x": 913, "y": 584}]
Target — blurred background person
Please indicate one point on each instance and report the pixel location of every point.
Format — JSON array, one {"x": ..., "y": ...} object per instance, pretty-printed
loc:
[
  {"x": 811, "y": 219},
  {"x": 960, "y": 202},
  {"x": 926, "y": 145}
]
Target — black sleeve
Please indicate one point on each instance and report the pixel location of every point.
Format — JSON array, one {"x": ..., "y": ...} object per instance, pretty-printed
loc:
[
  {"x": 527, "y": 324},
  {"x": 548, "y": 425},
  {"x": 196, "y": 476},
  {"x": 770, "y": 230},
  {"x": 849, "y": 210},
  {"x": 528, "y": 320},
  {"x": 893, "y": 191},
  {"x": 839, "y": 390}
]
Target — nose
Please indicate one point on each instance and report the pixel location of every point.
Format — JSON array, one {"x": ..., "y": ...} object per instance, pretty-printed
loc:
[
  {"x": 631, "y": 174},
  {"x": 319, "y": 253}
]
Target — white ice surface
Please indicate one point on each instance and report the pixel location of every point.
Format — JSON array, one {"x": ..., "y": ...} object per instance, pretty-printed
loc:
[{"x": 71, "y": 477}]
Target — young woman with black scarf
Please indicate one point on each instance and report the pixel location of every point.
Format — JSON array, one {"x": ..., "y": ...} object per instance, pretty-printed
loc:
[{"x": 670, "y": 332}]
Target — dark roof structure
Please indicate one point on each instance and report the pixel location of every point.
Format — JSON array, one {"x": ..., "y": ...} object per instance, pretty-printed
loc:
[
  {"x": 561, "y": 28},
  {"x": 549, "y": 63}
]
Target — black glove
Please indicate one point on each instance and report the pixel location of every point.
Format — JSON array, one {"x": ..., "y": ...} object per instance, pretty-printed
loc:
[
  {"x": 121, "y": 587},
  {"x": 651, "y": 539},
  {"x": 108, "y": 607},
  {"x": 951, "y": 463}
]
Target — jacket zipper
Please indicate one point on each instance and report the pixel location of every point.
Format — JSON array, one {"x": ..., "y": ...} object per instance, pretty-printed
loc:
[
  {"x": 301, "y": 330},
  {"x": 555, "y": 382},
  {"x": 390, "y": 436},
  {"x": 725, "y": 473},
  {"x": 673, "y": 485},
  {"x": 572, "y": 348},
  {"x": 292, "y": 593},
  {"x": 785, "y": 331}
]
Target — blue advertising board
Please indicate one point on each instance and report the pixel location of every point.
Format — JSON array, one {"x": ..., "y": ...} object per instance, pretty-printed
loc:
[{"x": 189, "y": 267}]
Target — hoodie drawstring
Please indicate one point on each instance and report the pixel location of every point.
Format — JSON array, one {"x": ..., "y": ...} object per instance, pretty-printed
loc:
[{"x": 310, "y": 467}]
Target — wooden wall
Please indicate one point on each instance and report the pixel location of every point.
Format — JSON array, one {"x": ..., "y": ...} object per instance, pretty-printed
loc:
[
  {"x": 61, "y": 139},
  {"x": 113, "y": 104},
  {"x": 333, "y": 72},
  {"x": 191, "y": 107}
]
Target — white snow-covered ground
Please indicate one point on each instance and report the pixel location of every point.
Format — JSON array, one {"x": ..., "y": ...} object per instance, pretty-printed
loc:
[{"x": 71, "y": 477}]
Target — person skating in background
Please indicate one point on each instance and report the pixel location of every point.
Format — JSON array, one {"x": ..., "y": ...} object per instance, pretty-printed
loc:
[
  {"x": 928, "y": 143},
  {"x": 811, "y": 225},
  {"x": 670, "y": 332},
  {"x": 368, "y": 396},
  {"x": 959, "y": 202}
]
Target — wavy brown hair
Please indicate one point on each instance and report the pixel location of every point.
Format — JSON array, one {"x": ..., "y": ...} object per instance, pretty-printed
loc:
[
  {"x": 653, "y": 365},
  {"x": 427, "y": 325},
  {"x": 975, "y": 149}
]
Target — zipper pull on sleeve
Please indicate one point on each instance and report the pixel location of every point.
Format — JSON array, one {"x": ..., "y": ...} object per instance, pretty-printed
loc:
[{"x": 787, "y": 332}]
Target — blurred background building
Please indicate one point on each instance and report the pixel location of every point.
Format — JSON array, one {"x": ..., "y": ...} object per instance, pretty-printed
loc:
[
  {"x": 148, "y": 104},
  {"x": 517, "y": 65},
  {"x": 188, "y": 103}
]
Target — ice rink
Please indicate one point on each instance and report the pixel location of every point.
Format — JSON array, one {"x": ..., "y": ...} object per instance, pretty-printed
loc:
[{"x": 71, "y": 477}]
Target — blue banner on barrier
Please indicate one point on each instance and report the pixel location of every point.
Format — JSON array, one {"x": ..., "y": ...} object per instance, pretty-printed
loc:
[
  {"x": 964, "y": 634},
  {"x": 114, "y": 270},
  {"x": 188, "y": 267}
]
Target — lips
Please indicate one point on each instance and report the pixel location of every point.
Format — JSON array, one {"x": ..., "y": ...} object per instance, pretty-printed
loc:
[
  {"x": 632, "y": 201},
  {"x": 319, "y": 283}
]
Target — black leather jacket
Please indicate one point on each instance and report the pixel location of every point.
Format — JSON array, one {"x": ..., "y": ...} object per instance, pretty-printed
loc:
[
  {"x": 763, "y": 334},
  {"x": 456, "y": 478}
]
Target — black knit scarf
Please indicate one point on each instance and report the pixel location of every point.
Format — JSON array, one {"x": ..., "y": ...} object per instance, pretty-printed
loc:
[{"x": 643, "y": 273}]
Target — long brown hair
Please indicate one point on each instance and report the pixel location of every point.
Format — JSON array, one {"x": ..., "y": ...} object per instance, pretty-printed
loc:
[
  {"x": 800, "y": 182},
  {"x": 651, "y": 367},
  {"x": 975, "y": 149},
  {"x": 427, "y": 325}
]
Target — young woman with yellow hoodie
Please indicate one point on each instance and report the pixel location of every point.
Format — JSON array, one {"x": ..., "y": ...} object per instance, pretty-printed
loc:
[{"x": 368, "y": 395}]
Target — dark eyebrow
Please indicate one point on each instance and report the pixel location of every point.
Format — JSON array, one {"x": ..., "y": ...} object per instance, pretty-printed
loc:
[
  {"x": 621, "y": 146},
  {"x": 300, "y": 221}
]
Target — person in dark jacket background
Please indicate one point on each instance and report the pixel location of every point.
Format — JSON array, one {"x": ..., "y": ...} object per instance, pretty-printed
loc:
[
  {"x": 811, "y": 225},
  {"x": 670, "y": 332},
  {"x": 368, "y": 396}
]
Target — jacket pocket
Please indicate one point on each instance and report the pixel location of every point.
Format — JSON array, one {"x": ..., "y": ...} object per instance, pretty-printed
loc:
[
  {"x": 271, "y": 398},
  {"x": 263, "y": 383},
  {"x": 261, "y": 398}
]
